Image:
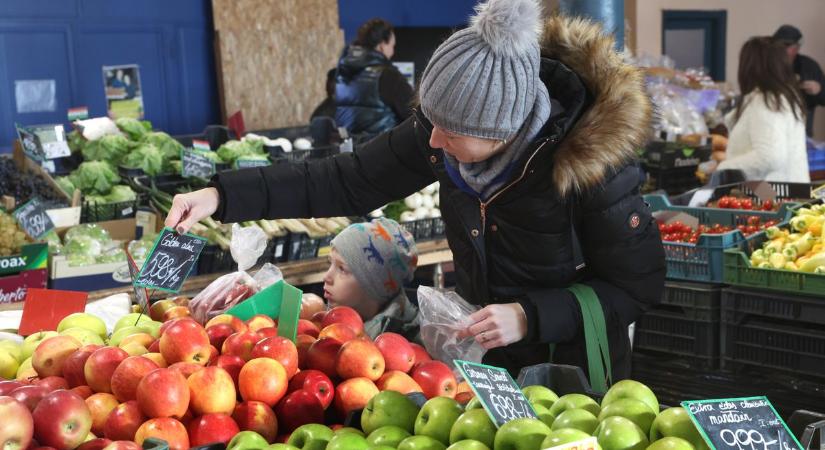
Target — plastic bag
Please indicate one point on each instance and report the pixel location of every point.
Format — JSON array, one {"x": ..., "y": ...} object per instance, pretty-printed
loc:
[
  {"x": 443, "y": 314},
  {"x": 268, "y": 275},
  {"x": 247, "y": 245}
]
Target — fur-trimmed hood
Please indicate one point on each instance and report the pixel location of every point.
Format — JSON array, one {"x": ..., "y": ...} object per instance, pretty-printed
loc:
[{"x": 618, "y": 119}]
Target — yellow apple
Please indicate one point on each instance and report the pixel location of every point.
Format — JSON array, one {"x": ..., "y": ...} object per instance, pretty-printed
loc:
[
  {"x": 83, "y": 320},
  {"x": 85, "y": 336}
]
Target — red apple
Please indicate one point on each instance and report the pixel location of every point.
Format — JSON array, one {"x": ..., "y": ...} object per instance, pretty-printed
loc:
[
  {"x": 186, "y": 368},
  {"x": 311, "y": 304},
  {"x": 52, "y": 383},
  {"x": 218, "y": 333},
  {"x": 166, "y": 324},
  {"x": 359, "y": 358},
  {"x": 318, "y": 318},
  {"x": 257, "y": 417},
  {"x": 7, "y": 386},
  {"x": 153, "y": 348},
  {"x": 166, "y": 428},
  {"x": 29, "y": 396},
  {"x": 345, "y": 315},
  {"x": 163, "y": 393},
  {"x": 211, "y": 391},
  {"x": 321, "y": 356},
  {"x": 302, "y": 343},
  {"x": 210, "y": 428},
  {"x": 17, "y": 426},
  {"x": 176, "y": 312},
  {"x": 315, "y": 382},
  {"x": 73, "y": 366},
  {"x": 185, "y": 341},
  {"x": 259, "y": 321},
  {"x": 338, "y": 331},
  {"x": 232, "y": 364},
  {"x": 240, "y": 344},
  {"x": 280, "y": 349},
  {"x": 299, "y": 408},
  {"x": 213, "y": 354},
  {"x": 353, "y": 394},
  {"x": 61, "y": 420},
  {"x": 263, "y": 380},
  {"x": 435, "y": 378},
  {"x": 396, "y": 350},
  {"x": 421, "y": 354},
  {"x": 128, "y": 374},
  {"x": 95, "y": 444},
  {"x": 156, "y": 358},
  {"x": 100, "y": 405},
  {"x": 101, "y": 366},
  {"x": 267, "y": 332},
  {"x": 160, "y": 307},
  {"x": 396, "y": 380},
  {"x": 123, "y": 422},
  {"x": 49, "y": 356},
  {"x": 122, "y": 445},
  {"x": 308, "y": 327},
  {"x": 83, "y": 391},
  {"x": 237, "y": 324}
]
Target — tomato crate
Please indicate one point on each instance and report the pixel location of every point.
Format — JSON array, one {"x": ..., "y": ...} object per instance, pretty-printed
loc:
[{"x": 703, "y": 261}]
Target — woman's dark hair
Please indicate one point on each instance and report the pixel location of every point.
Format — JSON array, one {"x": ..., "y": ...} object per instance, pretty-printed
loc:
[
  {"x": 373, "y": 32},
  {"x": 763, "y": 65}
]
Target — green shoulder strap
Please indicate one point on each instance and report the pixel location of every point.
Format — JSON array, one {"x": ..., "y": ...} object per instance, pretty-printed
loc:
[{"x": 595, "y": 336}]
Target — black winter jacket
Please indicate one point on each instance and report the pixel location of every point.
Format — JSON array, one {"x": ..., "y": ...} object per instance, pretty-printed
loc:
[{"x": 575, "y": 193}]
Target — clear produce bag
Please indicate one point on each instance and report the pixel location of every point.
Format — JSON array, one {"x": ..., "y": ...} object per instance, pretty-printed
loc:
[{"x": 443, "y": 315}]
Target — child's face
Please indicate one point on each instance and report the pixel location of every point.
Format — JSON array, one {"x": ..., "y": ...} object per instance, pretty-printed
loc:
[{"x": 341, "y": 288}]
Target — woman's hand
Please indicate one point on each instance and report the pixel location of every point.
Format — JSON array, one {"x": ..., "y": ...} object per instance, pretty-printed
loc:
[
  {"x": 497, "y": 325},
  {"x": 189, "y": 209}
]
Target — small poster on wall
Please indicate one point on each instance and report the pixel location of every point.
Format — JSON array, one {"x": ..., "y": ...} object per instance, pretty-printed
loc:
[{"x": 124, "y": 96}]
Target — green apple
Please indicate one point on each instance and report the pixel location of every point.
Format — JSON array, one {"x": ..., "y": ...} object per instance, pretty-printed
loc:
[
  {"x": 311, "y": 436},
  {"x": 572, "y": 401},
  {"x": 389, "y": 408},
  {"x": 280, "y": 446},
  {"x": 131, "y": 320},
  {"x": 32, "y": 341},
  {"x": 521, "y": 434},
  {"x": 563, "y": 436},
  {"x": 630, "y": 408},
  {"x": 540, "y": 395},
  {"x": 247, "y": 440},
  {"x": 347, "y": 441},
  {"x": 421, "y": 443},
  {"x": 437, "y": 417},
  {"x": 14, "y": 348},
  {"x": 83, "y": 320},
  {"x": 675, "y": 422},
  {"x": 631, "y": 389},
  {"x": 8, "y": 365},
  {"x": 474, "y": 403},
  {"x": 380, "y": 447},
  {"x": 468, "y": 444},
  {"x": 474, "y": 424},
  {"x": 618, "y": 433},
  {"x": 670, "y": 443},
  {"x": 580, "y": 419},
  {"x": 117, "y": 336},
  {"x": 152, "y": 327},
  {"x": 343, "y": 430},
  {"x": 25, "y": 365},
  {"x": 389, "y": 435},
  {"x": 544, "y": 415},
  {"x": 83, "y": 335}
]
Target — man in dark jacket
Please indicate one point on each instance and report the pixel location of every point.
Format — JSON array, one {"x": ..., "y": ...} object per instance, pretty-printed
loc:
[
  {"x": 811, "y": 79},
  {"x": 371, "y": 95},
  {"x": 538, "y": 191}
]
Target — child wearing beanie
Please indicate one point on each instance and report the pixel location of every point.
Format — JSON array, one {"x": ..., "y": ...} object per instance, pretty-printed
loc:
[{"x": 369, "y": 264}]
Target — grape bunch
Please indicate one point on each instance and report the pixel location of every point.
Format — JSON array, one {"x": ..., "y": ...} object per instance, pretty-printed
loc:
[
  {"x": 12, "y": 237},
  {"x": 22, "y": 186}
]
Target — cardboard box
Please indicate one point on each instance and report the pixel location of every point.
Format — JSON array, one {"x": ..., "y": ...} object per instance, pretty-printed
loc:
[{"x": 22, "y": 271}]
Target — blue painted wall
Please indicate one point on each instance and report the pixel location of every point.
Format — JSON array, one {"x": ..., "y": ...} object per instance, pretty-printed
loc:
[{"x": 404, "y": 13}]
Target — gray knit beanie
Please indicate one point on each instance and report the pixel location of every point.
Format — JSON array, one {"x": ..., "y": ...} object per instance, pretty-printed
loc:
[
  {"x": 381, "y": 255},
  {"x": 482, "y": 80}
]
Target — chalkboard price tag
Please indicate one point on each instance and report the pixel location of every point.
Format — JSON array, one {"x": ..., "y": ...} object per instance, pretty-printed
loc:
[
  {"x": 243, "y": 163},
  {"x": 195, "y": 164},
  {"x": 33, "y": 218},
  {"x": 170, "y": 261},
  {"x": 741, "y": 423},
  {"x": 498, "y": 392},
  {"x": 31, "y": 144}
]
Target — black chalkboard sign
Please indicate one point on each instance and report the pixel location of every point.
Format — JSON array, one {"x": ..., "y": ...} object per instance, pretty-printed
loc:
[
  {"x": 170, "y": 261},
  {"x": 498, "y": 392},
  {"x": 749, "y": 423},
  {"x": 195, "y": 164},
  {"x": 33, "y": 218},
  {"x": 243, "y": 163}
]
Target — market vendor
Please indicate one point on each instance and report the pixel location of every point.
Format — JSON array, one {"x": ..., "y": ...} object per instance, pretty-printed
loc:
[{"x": 531, "y": 129}]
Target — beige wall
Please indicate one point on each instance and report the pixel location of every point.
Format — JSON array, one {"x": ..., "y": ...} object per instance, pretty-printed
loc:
[{"x": 746, "y": 18}]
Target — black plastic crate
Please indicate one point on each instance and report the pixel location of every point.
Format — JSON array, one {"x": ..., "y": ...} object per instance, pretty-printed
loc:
[
  {"x": 672, "y": 155},
  {"x": 214, "y": 259},
  {"x": 279, "y": 249},
  {"x": 691, "y": 300},
  {"x": 673, "y": 181},
  {"x": 740, "y": 304},
  {"x": 277, "y": 154},
  {"x": 302, "y": 247},
  {"x": 672, "y": 335},
  {"x": 216, "y": 135},
  {"x": 99, "y": 212}
]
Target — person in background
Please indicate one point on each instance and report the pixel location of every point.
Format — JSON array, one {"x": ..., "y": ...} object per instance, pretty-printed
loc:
[
  {"x": 809, "y": 74},
  {"x": 368, "y": 266},
  {"x": 327, "y": 107},
  {"x": 371, "y": 95},
  {"x": 767, "y": 128}
]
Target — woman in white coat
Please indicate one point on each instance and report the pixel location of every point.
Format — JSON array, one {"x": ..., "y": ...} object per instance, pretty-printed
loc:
[{"x": 767, "y": 128}]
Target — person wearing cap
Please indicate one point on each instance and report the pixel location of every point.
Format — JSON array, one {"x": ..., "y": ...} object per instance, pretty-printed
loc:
[
  {"x": 531, "y": 127},
  {"x": 368, "y": 266},
  {"x": 808, "y": 71}
]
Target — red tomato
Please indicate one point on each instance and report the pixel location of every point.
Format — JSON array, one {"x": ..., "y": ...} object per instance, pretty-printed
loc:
[
  {"x": 754, "y": 220},
  {"x": 735, "y": 204},
  {"x": 746, "y": 203},
  {"x": 750, "y": 229},
  {"x": 767, "y": 205},
  {"x": 724, "y": 202}
]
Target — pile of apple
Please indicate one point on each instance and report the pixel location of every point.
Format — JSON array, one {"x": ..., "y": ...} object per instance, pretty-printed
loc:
[{"x": 192, "y": 384}]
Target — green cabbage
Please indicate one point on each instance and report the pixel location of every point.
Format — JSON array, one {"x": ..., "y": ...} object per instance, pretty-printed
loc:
[
  {"x": 90, "y": 230},
  {"x": 83, "y": 245},
  {"x": 120, "y": 194},
  {"x": 110, "y": 148},
  {"x": 232, "y": 150},
  {"x": 76, "y": 141},
  {"x": 140, "y": 249},
  {"x": 112, "y": 255},
  {"x": 168, "y": 146},
  {"x": 94, "y": 178},
  {"x": 146, "y": 157},
  {"x": 65, "y": 185},
  {"x": 133, "y": 128},
  {"x": 79, "y": 259}
]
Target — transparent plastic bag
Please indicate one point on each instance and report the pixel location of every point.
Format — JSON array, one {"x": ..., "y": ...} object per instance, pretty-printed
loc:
[
  {"x": 443, "y": 315},
  {"x": 247, "y": 245},
  {"x": 267, "y": 275}
]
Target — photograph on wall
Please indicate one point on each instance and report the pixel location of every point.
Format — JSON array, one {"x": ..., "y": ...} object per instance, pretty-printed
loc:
[{"x": 124, "y": 97}]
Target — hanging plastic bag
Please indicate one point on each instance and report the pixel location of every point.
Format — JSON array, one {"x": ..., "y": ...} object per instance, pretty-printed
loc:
[{"x": 443, "y": 315}]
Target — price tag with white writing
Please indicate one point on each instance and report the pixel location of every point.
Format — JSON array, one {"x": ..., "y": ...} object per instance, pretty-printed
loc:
[
  {"x": 498, "y": 392},
  {"x": 33, "y": 218},
  {"x": 243, "y": 163},
  {"x": 196, "y": 164},
  {"x": 170, "y": 261},
  {"x": 749, "y": 423}
]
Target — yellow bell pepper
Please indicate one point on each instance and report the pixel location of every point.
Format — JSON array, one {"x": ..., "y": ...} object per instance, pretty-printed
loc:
[
  {"x": 777, "y": 260},
  {"x": 820, "y": 270},
  {"x": 813, "y": 262},
  {"x": 791, "y": 266},
  {"x": 765, "y": 265},
  {"x": 773, "y": 232},
  {"x": 799, "y": 247},
  {"x": 757, "y": 257},
  {"x": 774, "y": 246}
]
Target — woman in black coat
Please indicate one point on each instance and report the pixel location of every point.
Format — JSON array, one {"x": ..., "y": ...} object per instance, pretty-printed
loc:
[{"x": 534, "y": 145}]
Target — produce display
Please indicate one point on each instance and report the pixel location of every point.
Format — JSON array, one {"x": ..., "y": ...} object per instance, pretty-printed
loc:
[
  {"x": 797, "y": 247},
  {"x": 731, "y": 202},
  {"x": 22, "y": 186},
  {"x": 89, "y": 244},
  {"x": 420, "y": 205},
  {"x": 677, "y": 231},
  {"x": 12, "y": 237}
]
